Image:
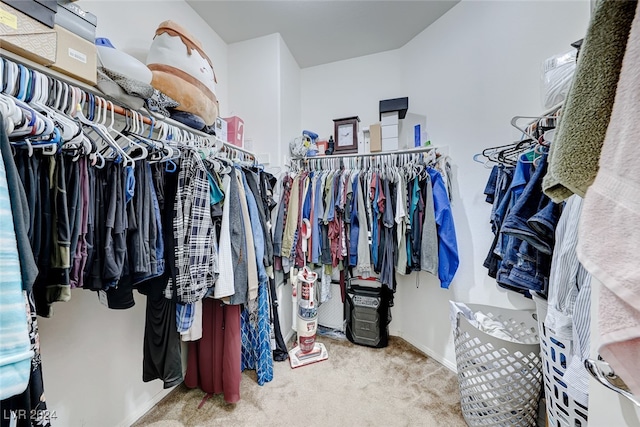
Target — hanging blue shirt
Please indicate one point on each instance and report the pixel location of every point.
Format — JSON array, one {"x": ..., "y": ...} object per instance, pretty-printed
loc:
[
  {"x": 355, "y": 225},
  {"x": 331, "y": 208},
  {"x": 316, "y": 242},
  {"x": 448, "y": 260},
  {"x": 375, "y": 238},
  {"x": 306, "y": 201}
]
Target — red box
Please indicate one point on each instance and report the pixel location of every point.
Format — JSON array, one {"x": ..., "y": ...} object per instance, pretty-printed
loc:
[
  {"x": 235, "y": 131},
  {"x": 322, "y": 147}
]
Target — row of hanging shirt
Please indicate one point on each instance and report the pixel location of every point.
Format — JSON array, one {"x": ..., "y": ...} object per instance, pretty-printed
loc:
[
  {"x": 61, "y": 154},
  {"x": 111, "y": 210},
  {"x": 534, "y": 246},
  {"x": 373, "y": 216}
]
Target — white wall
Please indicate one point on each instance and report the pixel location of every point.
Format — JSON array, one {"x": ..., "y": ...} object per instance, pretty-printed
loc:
[
  {"x": 349, "y": 88},
  {"x": 92, "y": 356},
  {"x": 290, "y": 102},
  {"x": 253, "y": 79},
  {"x": 264, "y": 79},
  {"x": 469, "y": 73}
]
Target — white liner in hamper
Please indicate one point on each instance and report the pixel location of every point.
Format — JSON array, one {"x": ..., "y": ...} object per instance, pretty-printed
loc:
[{"x": 500, "y": 381}]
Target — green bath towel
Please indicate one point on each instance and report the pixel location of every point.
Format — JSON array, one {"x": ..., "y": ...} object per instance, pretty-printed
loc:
[{"x": 575, "y": 152}]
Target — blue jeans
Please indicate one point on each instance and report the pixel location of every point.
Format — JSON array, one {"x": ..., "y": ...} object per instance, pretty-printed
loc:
[
  {"x": 534, "y": 208},
  {"x": 527, "y": 259}
]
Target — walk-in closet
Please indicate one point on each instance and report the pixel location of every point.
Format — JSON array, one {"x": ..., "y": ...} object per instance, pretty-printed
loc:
[{"x": 325, "y": 213}]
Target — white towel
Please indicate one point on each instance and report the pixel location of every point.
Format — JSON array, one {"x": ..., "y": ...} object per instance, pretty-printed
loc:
[{"x": 609, "y": 236}]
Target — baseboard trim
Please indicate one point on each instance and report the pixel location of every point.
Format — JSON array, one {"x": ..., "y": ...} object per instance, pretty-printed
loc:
[
  {"x": 289, "y": 335},
  {"x": 146, "y": 407},
  {"x": 429, "y": 352}
]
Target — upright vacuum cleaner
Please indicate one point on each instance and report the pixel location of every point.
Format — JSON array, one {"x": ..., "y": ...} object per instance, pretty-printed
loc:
[{"x": 305, "y": 316}]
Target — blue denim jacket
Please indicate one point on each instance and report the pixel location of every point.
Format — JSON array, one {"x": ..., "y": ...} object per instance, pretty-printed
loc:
[
  {"x": 534, "y": 205},
  {"x": 527, "y": 258}
]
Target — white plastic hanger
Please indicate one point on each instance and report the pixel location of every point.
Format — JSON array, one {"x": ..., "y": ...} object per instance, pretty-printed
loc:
[
  {"x": 103, "y": 133},
  {"x": 131, "y": 143}
]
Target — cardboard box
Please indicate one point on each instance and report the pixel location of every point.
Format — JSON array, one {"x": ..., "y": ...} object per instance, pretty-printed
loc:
[
  {"x": 375, "y": 138},
  {"x": 43, "y": 11},
  {"x": 26, "y": 37},
  {"x": 322, "y": 147},
  {"x": 221, "y": 128},
  {"x": 235, "y": 131},
  {"x": 390, "y": 131},
  {"x": 75, "y": 56}
]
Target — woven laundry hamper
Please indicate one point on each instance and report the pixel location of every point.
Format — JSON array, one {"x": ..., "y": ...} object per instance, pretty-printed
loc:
[{"x": 500, "y": 381}]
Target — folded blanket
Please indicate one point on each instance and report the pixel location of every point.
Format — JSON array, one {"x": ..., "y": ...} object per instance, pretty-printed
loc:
[
  {"x": 609, "y": 233},
  {"x": 573, "y": 158}
]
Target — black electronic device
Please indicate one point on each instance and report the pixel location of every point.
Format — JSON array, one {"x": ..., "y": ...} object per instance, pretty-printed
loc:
[{"x": 367, "y": 313}]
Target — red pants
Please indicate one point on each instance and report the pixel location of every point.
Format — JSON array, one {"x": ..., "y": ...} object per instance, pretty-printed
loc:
[{"x": 213, "y": 362}]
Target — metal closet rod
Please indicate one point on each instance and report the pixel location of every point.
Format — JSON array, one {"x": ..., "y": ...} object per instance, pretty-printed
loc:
[
  {"x": 382, "y": 153},
  {"x": 161, "y": 118},
  {"x": 118, "y": 108}
]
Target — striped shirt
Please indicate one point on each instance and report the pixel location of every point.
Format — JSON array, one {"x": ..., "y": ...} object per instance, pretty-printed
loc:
[{"x": 569, "y": 299}]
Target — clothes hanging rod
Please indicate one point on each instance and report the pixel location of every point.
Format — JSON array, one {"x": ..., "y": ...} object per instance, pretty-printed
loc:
[
  {"x": 160, "y": 118},
  {"x": 545, "y": 114},
  {"x": 553, "y": 109},
  {"x": 119, "y": 109},
  {"x": 382, "y": 153}
]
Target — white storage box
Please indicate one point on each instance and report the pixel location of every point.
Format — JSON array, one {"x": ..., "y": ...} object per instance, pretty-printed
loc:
[{"x": 390, "y": 118}]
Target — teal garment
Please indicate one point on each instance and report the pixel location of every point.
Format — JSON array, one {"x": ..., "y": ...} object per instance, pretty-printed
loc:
[
  {"x": 15, "y": 344},
  {"x": 413, "y": 206},
  {"x": 216, "y": 193}
]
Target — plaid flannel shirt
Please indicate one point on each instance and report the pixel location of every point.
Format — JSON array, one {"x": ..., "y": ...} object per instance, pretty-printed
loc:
[
  {"x": 185, "y": 314},
  {"x": 193, "y": 232}
]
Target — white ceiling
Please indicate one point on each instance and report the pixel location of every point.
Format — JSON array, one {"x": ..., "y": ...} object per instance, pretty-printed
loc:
[{"x": 319, "y": 32}]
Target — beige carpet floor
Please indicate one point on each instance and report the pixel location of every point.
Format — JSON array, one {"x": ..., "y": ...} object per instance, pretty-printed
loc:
[{"x": 356, "y": 386}]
